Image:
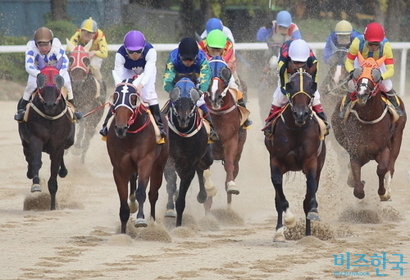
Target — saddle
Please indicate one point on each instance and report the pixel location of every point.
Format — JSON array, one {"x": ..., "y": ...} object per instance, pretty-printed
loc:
[
  {"x": 353, "y": 102},
  {"x": 244, "y": 111}
]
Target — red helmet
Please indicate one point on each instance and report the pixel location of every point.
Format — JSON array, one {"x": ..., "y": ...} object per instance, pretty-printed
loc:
[{"x": 374, "y": 32}]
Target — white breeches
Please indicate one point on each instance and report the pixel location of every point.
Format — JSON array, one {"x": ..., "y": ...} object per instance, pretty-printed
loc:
[
  {"x": 96, "y": 63},
  {"x": 148, "y": 93},
  {"x": 32, "y": 85}
]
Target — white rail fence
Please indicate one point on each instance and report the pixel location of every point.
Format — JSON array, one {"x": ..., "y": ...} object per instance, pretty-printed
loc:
[{"x": 404, "y": 47}]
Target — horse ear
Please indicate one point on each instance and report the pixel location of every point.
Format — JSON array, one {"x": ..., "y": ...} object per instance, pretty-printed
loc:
[
  {"x": 195, "y": 95},
  {"x": 41, "y": 63},
  {"x": 70, "y": 46},
  {"x": 59, "y": 80},
  {"x": 376, "y": 75},
  {"x": 41, "y": 80},
  {"x": 360, "y": 57},
  {"x": 357, "y": 72},
  {"x": 226, "y": 74},
  {"x": 174, "y": 93},
  {"x": 381, "y": 60},
  {"x": 88, "y": 46}
]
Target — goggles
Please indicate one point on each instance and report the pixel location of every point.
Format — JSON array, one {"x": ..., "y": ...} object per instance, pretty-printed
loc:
[
  {"x": 134, "y": 52},
  {"x": 183, "y": 58},
  {"x": 43, "y": 44},
  {"x": 375, "y": 44}
]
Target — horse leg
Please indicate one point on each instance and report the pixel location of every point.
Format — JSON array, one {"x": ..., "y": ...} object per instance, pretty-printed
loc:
[
  {"x": 202, "y": 194},
  {"x": 144, "y": 172},
  {"x": 186, "y": 179},
  {"x": 171, "y": 179},
  {"x": 229, "y": 165},
  {"x": 62, "y": 172},
  {"x": 29, "y": 158},
  {"x": 133, "y": 187},
  {"x": 384, "y": 175},
  {"x": 56, "y": 160},
  {"x": 310, "y": 203},
  {"x": 34, "y": 166},
  {"x": 122, "y": 189},
  {"x": 155, "y": 184},
  {"x": 356, "y": 167}
]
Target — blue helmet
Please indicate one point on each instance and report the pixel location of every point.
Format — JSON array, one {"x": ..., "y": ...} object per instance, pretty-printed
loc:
[
  {"x": 283, "y": 18},
  {"x": 213, "y": 23}
]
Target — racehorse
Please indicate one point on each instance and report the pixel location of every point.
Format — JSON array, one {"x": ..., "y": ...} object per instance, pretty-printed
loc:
[
  {"x": 48, "y": 127},
  {"x": 334, "y": 85},
  {"x": 190, "y": 151},
  {"x": 368, "y": 131},
  {"x": 228, "y": 119},
  {"x": 296, "y": 145},
  {"x": 87, "y": 94},
  {"x": 134, "y": 152}
]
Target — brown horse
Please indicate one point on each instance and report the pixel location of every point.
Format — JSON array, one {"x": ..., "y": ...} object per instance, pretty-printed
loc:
[
  {"x": 368, "y": 131},
  {"x": 48, "y": 127},
  {"x": 296, "y": 145},
  {"x": 227, "y": 119},
  {"x": 87, "y": 94},
  {"x": 134, "y": 152}
]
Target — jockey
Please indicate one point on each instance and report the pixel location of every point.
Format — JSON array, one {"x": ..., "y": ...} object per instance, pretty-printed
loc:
[
  {"x": 99, "y": 49},
  {"x": 294, "y": 55},
  {"x": 217, "y": 44},
  {"x": 340, "y": 38},
  {"x": 134, "y": 57},
  {"x": 44, "y": 46},
  {"x": 189, "y": 59},
  {"x": 372, "y": 43},
  {"x": 216, "y": 23},
  {"x": 277, "y": 32}
]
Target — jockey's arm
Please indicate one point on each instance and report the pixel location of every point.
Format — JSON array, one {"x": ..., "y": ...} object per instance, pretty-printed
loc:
[
  {"x": 31, "y": 67},
  {"x": 169, "y": 75},
  {"x": 102, "y": 46},
  {"x": 150, "y": 66},
  {"x": 389, "y": 62},
  {"x": 283, "y": 74},
  {"x": 205, "y": 74},
  {"x": 119, "y": 66},
  {"x": 75, "y": 39},
  {"x": 351, "y": 55}
]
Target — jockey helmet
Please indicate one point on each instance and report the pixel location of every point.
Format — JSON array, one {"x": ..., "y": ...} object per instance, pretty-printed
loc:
[
  {"x": 343, "y": 27},
  {"x": 43, "y": 34},
  {"x": 213, "y": 23},
  {"x": 89, "y": 25},
  {"x": 188, "y": 48},
  {"x": 374, "y": 32},
  {"x": 283, "y": 18},
  {"x": 299, "y": 50},
  {"x": 216, "y": 39},
  {"x": 134, "y": 40}
]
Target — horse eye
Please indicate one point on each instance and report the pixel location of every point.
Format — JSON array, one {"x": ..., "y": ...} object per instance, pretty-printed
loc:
[
  {"x": 114, "y": 98},
  {"x": 86, "y": 61},
  {"x": 133, "y": 100},
  {"x": 71, "y": 61}
]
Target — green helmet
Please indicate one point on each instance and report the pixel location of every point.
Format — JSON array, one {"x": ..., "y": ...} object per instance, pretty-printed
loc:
[{"x": 216, "y": 39}]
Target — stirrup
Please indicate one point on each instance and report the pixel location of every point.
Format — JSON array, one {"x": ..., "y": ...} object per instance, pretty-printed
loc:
[
  {"x": 247, "y": 124},
  {"x": 214, "y": 136},
  {"x": 104, "y": 131},
  {"x": 19, "y": 116}
]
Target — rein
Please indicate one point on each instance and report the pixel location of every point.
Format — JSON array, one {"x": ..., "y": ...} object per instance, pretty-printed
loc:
[
  {"x": 96, "y": 109},
  {"x": 133, "y": 117},
  {"x": 38, "y": 111},
  {"x": 195, "y": 128},
  {"x": 225, "y": 109}
]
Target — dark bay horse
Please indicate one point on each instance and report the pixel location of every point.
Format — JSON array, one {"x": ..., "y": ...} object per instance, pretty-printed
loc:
[
  {"x": 48, "y": 127},
  {"x": 134, "y": 152},
  {"x": 190, "y": 152},
  {"x": 87, "y": 94},
  {"x": 228, "y": 119},
  {"x": 371, "y": 130},
  {"x": 296, "y": 145}
]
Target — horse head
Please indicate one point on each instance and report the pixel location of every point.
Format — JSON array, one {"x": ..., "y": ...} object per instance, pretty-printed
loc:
[
  {"x": 337, "y": 65},
  {"x": 183, "y": 98},
  {"x": 126, "y": 103},
  {"x": 79, "y": 61},
  {"x": 49, "y": 84},
  {"x": 368, "y": 77},
  {"x": 300, "y": 90},
  {"x": 221, "y": 76}
]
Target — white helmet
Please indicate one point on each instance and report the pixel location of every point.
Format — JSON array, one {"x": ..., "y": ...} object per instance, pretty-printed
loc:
[{"x": 299, "y": 50}]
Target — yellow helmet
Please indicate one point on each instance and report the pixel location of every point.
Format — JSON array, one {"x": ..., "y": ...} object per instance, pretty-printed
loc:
[
  {"x": 89, "y": 25},
  {"x": 43, "y": 34},
  {"x": 343, "y": 27}
]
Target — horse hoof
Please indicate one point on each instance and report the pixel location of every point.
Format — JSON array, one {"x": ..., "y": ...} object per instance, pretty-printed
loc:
[
  {"x": 386, "y": 195},
  {"x": 313, "y": 216},
  {"x": 232, "y": 188},
  {"x": 170, "y": 213},
  {"x": 358, "y": 194},
  {"x": 289, "y": 219},
  {"x": 35, "y": 188},
  {"x": 279, "y": 235},
  {"x": 140, "y": 223},
  {"x": 133, "y": 206}
]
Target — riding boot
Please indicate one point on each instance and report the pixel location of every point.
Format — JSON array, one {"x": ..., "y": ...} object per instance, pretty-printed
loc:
[
  {"x": 21, "y": 109},
  {"x": 324, "y": 118},
  {"x": 157, "y": 116},
  {"x": 391, "y": 95},
  {"x": 214, "y": 136},
  {"x": 104, "y": 129},
  {"x": 248, "y": 121},
  {"x": 77, "y": 115},
  {"x": 274, "y": 110},
  {"x": 346, "y": 105}
]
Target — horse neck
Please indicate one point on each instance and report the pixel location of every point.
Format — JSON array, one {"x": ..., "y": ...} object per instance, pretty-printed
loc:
[{"x": 373, "y": 108}]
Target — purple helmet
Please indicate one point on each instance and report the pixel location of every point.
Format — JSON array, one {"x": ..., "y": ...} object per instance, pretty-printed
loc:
[{"x": 134, "y": 40}]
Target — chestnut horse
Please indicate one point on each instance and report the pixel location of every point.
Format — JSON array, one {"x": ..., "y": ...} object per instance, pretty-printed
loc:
[
  {"x": 87, "y": 95},
  {"x": 190, "y": 152},
  {"x": 48, "y": 127},
  {"x": 134, "y": 152},
  {"x": 370, "y": 130},
  {"x": 296, "y": 145},
  {"x": 228, "y": 120}
]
